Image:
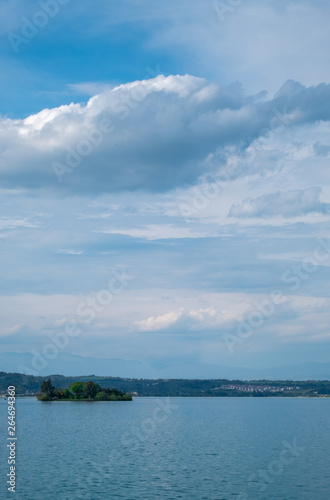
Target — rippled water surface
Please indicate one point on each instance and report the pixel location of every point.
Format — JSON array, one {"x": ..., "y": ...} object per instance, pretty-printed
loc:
[{"x": 191, "y": 448}]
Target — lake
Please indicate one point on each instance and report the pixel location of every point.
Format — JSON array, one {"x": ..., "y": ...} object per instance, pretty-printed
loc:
[{"x": 171, "y": 448}]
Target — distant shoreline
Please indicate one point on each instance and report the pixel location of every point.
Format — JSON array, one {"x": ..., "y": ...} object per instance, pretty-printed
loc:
[
  {"x": 83, "y": 400},
  {"x": 29, "y": 386}
]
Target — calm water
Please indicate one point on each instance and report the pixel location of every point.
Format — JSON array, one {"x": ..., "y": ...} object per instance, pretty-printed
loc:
[{"x": 210, "y": 448}]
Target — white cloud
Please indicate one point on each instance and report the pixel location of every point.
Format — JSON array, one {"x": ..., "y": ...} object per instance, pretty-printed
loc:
[
  {"x": 160, "y": 322},
  {"x": 187, "y": 319},
  {"x": 157, "y": 232},
  {"x": 69, "y": 251},
  {"x": 285, "y": 203},
  {"x": 14, "y": 223}
]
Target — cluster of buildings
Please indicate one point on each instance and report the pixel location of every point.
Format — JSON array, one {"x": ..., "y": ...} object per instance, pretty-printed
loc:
[{"x": 257, "y": 388}]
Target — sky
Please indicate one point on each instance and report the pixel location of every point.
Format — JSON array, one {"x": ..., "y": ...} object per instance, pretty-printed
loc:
[{"x": 164, "y": 181}]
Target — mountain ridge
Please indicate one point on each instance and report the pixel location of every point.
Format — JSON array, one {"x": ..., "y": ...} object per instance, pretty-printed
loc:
[{"x": 76, "y": 365}]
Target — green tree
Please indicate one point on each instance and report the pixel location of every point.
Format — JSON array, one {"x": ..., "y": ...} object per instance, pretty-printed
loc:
[
  {"x": 127, "y": 397},
  {"x": 90, "y": 390},
  {"x": 66, "y": 393},
  {"x": 77, "y": 388},
  {"x": 58, "y": 393},
  {"x": 48, "y": 389},
  {"x": 101, "y": 396},
  {"x": 43, "y": 397}
]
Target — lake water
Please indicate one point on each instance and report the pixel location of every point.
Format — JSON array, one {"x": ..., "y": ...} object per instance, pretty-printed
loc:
[{"x": 171, "y": 448}]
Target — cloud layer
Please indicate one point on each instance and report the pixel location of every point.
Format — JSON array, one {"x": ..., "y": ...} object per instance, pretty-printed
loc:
[
  {"x": 124, "y": 143},
  {"x": 155, "y": 135}
]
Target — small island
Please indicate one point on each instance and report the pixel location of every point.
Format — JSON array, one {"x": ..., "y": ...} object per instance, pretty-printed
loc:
[{"x": 80, "y": 391}]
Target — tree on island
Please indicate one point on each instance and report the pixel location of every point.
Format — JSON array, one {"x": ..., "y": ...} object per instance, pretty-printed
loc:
[
  {"x": 48, "y": 389},
  {"x": 80, "y": 391},
  {"x": 77, "y": 388},
  {"x": 90, "y": 389}
]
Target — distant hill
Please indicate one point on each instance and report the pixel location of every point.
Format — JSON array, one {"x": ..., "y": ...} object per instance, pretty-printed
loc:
[{"x": 74, "y": 365}]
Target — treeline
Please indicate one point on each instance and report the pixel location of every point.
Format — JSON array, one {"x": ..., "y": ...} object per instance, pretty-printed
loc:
[{"x": 30, "y": 385}]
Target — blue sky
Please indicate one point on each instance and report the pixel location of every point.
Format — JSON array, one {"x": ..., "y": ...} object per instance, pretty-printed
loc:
[{"x": 184, "y": 145}]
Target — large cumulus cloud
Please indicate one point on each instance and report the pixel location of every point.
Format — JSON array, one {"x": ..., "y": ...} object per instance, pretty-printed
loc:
[{"x": 155, "y": 134}]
